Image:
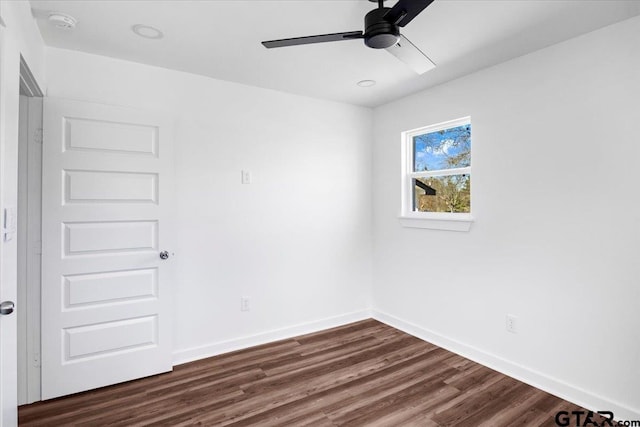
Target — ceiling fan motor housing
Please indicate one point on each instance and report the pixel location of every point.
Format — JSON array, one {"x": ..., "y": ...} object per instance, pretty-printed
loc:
[{"x": 380, "y": 33}]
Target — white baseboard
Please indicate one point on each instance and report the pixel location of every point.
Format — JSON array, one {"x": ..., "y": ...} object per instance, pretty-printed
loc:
[
  {"x": 213, "y": 349},
  {"x": 529, "y": 376}
]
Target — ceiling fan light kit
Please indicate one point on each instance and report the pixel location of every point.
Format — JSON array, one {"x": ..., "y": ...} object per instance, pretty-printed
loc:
[{"x": 381, "y": 31}]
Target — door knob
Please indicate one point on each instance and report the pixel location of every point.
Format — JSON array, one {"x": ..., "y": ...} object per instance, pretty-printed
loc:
[
  {"x": 164, "y": 255},
  {"x": 6, "y": 307}
]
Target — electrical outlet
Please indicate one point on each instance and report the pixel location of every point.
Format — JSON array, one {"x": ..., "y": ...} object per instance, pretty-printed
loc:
[
  {"x": 512, "y": 325},
  {"x": 246, "y": 177},
  {"x": 244, "y": 304}
]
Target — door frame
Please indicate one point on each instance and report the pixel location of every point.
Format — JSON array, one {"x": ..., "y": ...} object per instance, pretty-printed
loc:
[
  {"x": 29, "y": 239},
  {"x": 15, "y": 78}
]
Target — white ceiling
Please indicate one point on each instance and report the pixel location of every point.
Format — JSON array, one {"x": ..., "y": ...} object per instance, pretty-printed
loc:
[{"x": 221, "y": 39}]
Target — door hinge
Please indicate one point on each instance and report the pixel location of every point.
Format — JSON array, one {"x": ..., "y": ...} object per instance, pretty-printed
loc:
[{"x": 37, "y": 136}]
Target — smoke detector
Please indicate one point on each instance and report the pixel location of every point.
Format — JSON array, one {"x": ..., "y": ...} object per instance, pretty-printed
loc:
[{"x": 62, "y": 20}]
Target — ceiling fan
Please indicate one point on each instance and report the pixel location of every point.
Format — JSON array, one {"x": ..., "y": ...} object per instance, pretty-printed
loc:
[{"x": 381, "y": 31}]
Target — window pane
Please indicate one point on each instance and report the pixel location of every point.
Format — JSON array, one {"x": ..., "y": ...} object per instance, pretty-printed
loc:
[
  {"x": 442, "y": 194},
  {"x": 443, "y": 149}
]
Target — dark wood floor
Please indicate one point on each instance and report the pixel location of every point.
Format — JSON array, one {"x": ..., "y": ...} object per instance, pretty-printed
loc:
[{"x": 365, "y": 373}]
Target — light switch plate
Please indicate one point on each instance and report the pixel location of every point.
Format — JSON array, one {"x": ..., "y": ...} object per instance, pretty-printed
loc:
[{"x": 9, "y": 223}]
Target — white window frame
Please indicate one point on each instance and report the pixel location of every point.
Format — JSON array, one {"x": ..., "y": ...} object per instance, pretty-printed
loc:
[{"x": 433, "y": 220}]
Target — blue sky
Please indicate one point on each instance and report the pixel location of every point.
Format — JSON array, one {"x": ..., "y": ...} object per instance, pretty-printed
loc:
[{"x": 432, "y": 150}]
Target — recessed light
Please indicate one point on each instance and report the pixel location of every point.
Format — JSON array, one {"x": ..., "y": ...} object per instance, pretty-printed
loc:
[
  {"x": 147, "y": 31},
  {"x": 366, "y": 83},
  {"x": 62, "y": 20}
]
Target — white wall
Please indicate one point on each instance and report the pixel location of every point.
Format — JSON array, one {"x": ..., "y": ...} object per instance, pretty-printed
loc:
[
  {"x": 555, "y": 241},
  {"x": 20, "y": 37},
  {"x": 297, "y": 241}
]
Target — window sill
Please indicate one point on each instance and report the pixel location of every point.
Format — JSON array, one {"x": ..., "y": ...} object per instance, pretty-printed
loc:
[{"x": 434, "y": 221}]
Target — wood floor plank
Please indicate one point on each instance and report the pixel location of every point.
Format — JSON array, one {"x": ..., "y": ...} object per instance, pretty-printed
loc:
[
  {"x": 383, "y": 389},
  {"x": 394, "y": 402},
  {"x": 361, "y": 374},
  {"x": 272, "y": 392},
  {"x": 466, "y": 408},
  {"x": 349, "y": 395},
  {"x": 470, "y": 377},
  {"x": 415, "y": 412},
  {"x": 514, "y": 411},
  {"x": 318, "y": 357},
  {"x": 510, "y": 398}
]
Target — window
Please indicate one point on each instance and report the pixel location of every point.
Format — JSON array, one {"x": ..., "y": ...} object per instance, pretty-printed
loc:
[{"x": 436, "y": 187}]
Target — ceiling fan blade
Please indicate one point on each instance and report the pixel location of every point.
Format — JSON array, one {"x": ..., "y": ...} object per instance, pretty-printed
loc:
[
  {"x": 323, "y": 38},
  {"x": 405, "y": 10},
  {"x": 408, "y": 53}
]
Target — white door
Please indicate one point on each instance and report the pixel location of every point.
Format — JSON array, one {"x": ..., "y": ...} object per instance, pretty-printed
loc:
[{"x": 106, "y": 219}]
